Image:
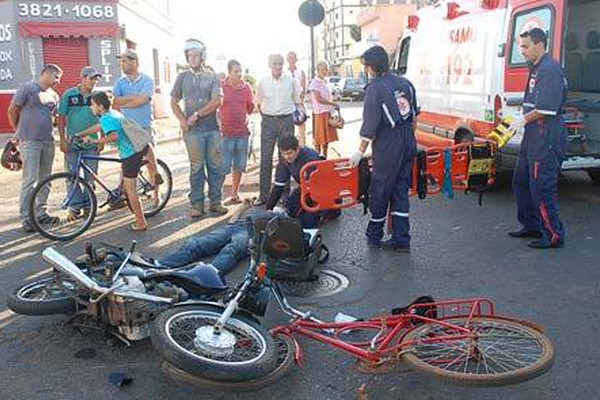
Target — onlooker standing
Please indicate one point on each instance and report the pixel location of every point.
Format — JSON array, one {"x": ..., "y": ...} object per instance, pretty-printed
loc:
[
  {"x": 201, "y": 92},
  {"x": 238, "y": 104},
  {"x": 76, "y": 115},
  {"x": 276, "y": 98},
  {"x": 300, "y": 79},
  {"x": 133, "y": 91},
  {"x": 30, "y": 114},
  {"x": 322, "y": 107}
]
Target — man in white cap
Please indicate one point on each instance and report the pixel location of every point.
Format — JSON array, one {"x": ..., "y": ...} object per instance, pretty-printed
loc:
[{"x": 76, "y": 116}]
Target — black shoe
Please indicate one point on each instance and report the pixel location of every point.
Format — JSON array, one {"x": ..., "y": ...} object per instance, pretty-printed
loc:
[
  {"x": 525, "y": 233},
  {"x": 27, "y": 228},
  {"x": 389, "y": 245},
  {"x": 373, "y": 246},
  {"x": 48, "y": 220},
  {"x": 545, "y": 244}
]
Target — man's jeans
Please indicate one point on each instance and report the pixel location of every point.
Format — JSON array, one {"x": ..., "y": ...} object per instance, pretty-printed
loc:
[
  {"x": 77, "y": 202},
  {"x": 229, "y": 243},
  {"x": 204, "y": 148},
  {"x": 37, "y": 166}
]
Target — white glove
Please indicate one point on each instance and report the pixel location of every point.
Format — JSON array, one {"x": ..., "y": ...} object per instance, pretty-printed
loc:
[
  {"x": 356, "y": 157},
  {"x": 518, "y": 123}
]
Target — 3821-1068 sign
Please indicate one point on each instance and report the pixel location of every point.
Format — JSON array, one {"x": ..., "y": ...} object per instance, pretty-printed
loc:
[{"x": 68, "y": 9}]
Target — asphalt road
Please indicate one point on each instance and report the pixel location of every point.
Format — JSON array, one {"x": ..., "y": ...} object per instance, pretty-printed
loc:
[{"x": 458, "y": 250}]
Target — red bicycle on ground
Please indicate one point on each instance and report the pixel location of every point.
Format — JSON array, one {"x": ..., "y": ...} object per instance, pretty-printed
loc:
[{"x": 459, "y": 341}]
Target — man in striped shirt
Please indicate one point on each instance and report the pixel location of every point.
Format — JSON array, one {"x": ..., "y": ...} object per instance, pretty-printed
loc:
[{"x": 238, "y": 104}]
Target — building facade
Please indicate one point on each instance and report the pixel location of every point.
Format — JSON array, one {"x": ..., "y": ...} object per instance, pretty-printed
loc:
[
  {"x": 74, "y": 34},
  {"x": 335, "y": 33}
]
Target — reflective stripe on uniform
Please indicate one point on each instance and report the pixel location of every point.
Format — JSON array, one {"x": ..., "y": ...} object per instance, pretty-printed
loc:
[
  {"x": 546, "y": 112},
  {"x": 399, "y": 214},
  {"x": 388, "y": 115},
  {"x": 378, "y": 219},
  {"x": 279, "y": 184}
]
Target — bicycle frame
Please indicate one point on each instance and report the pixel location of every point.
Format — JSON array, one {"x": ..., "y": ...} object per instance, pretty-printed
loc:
[
  {"x": 80, "y": 166},
  {"x": 391, "y": 329}
]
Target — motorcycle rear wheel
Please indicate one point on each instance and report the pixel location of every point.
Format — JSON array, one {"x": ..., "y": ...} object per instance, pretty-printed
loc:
[
  {"x": 43, "y": 297},
  {"x": 244, "y": 352}
]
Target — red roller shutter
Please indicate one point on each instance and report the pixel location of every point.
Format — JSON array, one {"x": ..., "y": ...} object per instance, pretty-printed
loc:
[{"x": 70, "y": 54}]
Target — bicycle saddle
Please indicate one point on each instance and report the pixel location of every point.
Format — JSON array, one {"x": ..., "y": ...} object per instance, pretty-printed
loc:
[{"x": 202, "y": 278}]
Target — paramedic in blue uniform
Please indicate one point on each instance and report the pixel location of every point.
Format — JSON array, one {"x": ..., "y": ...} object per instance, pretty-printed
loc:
[
  {"x": 293, "y": 159},
  {"x": 389, "y": 121},
  {"x": 543, "y": 147}
]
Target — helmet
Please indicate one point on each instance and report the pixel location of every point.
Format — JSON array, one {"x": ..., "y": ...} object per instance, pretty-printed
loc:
[
  {"x": 377, "y": 58},
  {"x": 299, "y": 116},
  {"x": 11, "y": 157},
  {"x": 194, "y": 45}
]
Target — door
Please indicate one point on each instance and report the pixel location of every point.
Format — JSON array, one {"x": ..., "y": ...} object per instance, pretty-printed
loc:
[
  {"x": 70, "y": 54},
  {"x": 547, "y": 15}
]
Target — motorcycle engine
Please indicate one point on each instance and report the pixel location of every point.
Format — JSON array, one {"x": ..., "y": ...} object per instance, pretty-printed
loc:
[{"x": 129, "y": 315}]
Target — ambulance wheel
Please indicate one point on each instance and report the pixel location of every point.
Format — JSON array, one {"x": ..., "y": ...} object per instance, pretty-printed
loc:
[{"x": 594, "y": 175}]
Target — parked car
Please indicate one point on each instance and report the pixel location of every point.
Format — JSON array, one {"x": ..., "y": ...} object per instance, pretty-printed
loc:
[
  {"x": 351, "y": 89},
  {"x": 332, "y": 82}
]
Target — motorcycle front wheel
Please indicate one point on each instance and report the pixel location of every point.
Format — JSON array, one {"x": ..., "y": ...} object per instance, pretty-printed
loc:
[{"x": 241, "y": 351}]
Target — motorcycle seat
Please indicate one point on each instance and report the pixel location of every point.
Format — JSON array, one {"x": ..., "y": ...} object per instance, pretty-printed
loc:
[{"x": 201, "y": 278}]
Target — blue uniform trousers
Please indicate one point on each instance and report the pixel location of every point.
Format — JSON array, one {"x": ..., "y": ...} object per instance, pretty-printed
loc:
[
  {"x": 535, "y": 183},
  {"x": 391, "y": 191}
]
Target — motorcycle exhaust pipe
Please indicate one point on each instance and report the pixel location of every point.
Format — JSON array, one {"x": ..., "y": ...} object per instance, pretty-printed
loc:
[{"x": 66, "y": 266}]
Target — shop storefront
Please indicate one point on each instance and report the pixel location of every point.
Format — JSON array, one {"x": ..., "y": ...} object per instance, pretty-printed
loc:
[{"x": 74, "y": 34}]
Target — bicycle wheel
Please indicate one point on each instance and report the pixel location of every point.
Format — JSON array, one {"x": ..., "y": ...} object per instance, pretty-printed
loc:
[
  {"x": 62, "y": 206},
  {"x": 496, "y": 352},
  {"x": 243, "y": 351},
  {"x": 145, "y": 189}
]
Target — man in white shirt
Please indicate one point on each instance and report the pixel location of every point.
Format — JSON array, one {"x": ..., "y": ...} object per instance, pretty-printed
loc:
[
  {"x": 300, "y": 80},
  {"x": 276, "y": 98}
]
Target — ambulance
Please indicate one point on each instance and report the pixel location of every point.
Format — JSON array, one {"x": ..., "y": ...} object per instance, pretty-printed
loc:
[{"x": 464, "y": 61}]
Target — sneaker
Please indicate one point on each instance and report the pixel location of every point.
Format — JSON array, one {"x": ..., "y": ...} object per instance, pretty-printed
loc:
[
  {"x": 389, "y": 245},
  {"x": 196, "y": 212},
  {"x": 259, "y": 202},
  {"x": 48, "y": 220},
  {"x": 218, "y": 208}
]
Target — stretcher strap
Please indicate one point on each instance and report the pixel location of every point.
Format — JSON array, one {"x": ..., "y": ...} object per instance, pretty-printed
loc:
[
  {"x": 447, "y": 187},
  {"x": 422, "y": 174}
]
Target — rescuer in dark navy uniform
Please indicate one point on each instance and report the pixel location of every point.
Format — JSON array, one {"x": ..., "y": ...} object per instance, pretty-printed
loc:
[
  {"x": 293, "y": 158},
  {"x": 543, "y": 147},
  {"x": 389, "y": 120}
]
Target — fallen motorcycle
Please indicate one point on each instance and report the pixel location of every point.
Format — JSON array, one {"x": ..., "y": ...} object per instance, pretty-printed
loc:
[
  {"x": 117, "y": 288},
  {"x": 460, "y": 341}
]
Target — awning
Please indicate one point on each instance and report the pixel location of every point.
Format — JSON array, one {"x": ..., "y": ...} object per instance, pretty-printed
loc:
[{"x": 69, "y": 29}]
